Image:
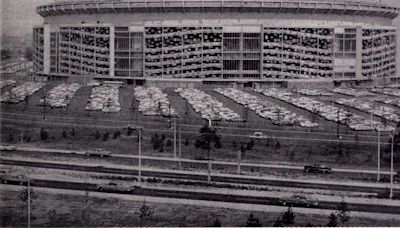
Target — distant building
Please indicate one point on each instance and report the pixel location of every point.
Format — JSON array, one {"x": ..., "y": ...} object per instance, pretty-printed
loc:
[{"x": 254, "y": 41}]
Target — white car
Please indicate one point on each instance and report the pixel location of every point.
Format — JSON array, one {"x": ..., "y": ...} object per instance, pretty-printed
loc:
[
  {"x": 6, "y": 147},
  {"x": 259, "y": 135}
]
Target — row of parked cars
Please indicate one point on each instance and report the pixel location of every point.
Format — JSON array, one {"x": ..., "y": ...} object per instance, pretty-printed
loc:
[
  {"x": 19, "y": 93},
  {"x": 61, "y": 95},
  {"x": 329, "y": 112},
  {"x": 6, "y": 83},
  {"x": 389, "y": 101},
  {"x": 368, "y": 107},
  {"x": 277, "y": 114},
  {"x": 207, "y": 106},
  {"x": 314, "y": 92},
  {"x": 104, "y": 98},
  {"x": 153, "y": 102},
  {"x": 352, "y": 92},
  {"x": 387, "y": 91}
]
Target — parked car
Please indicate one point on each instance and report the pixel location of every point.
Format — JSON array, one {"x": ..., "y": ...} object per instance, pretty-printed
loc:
[
  {"x": 114, "y": 187},
  {"x": 298, "y": 200},
  {"x": 259, "y": 135},
  {"x": 317, "y": 168},
  {"x": 6, "y": 147},
  {"x": 98, "y": 152}
]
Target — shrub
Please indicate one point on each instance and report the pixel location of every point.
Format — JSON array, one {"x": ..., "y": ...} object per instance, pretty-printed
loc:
[
  {"x": 197, "y": 143},
  {"x": 333, "y": 221},
  {"x": 234, "y": 144},
  {"x": 43, "y": 134},
  {"x": 278, "y": 222},
  {"x": 250, "y": 145},
  {"x": 288, "y": 216},
  {"x": 116, "y": 134},
  {"x": 106, "y": 136},
  {"x": 64, "y": 134},
  {"x": 73, "y": 132},
  {"x": 186, "y": 143},
  {"x": 216, "y": 223},
  {"x": 169, "y": 143},
  {"x": 253, "y": 221},
  {"x": 10, "y": 137},
  {"x": 97, "y": 135}
]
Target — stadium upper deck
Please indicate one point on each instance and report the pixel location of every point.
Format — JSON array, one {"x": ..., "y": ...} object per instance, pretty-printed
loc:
[{"x": 260, "y": 40}]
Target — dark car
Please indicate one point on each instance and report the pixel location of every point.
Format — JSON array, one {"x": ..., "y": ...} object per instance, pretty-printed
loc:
[
  {"x": 114, "y": 187},
  {"x": 298, "y": 200},
  {"x": 317, "y": 168},
  {"x": 396, "y": 177},
  {"x": 11, "y": 179},
  {"x": 98, "y": 152}
]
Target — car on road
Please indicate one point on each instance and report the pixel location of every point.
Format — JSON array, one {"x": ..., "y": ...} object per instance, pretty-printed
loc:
[
  {"x": 10, "y": 179},
  {"x": 317, "y": 168},
  {"x": 6, "y": 147},
  {"x": 114, "y": 187},
  {"x": 259, "y": 135},
  {"x": 396, "y": 177},
  {"x": 298, "y": 200},
  {"x": 98, "y": 152}
]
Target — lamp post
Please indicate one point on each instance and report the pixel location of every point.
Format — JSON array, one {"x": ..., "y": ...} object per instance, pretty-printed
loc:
[
  {"x": 175, "y": 138},
  {"x": 391, "y": 167},
  {"x": 139, "y": 129},
  {"x": 379, "y": 156},
  {"x": 29, "y": 198},
  {"x": 180, "y": 146}
]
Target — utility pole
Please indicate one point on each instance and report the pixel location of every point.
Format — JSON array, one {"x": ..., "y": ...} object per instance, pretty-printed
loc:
[
  {"x": 180, "y": 146},
  {"x": 175, "y": 138},
  {"x": 370, "y": 121},
  {"x": 338, "y": 122},
  {"x": 239, "y": 159},
  {"x": 29, "y": 203},
  {"x": 140, "y": 155},
  {"x": 391, "y": 167},
  {"x": 209, "y": 172},
  {"x": 379, "y": 156},
  {"x": 44, "y": 104}
]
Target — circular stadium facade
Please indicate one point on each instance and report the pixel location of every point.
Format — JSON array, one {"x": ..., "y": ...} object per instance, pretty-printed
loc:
[{"x": 216, "y": 41}]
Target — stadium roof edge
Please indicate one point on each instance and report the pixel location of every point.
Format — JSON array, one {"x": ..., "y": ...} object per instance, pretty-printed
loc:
[{"x": 67, "y": 7}]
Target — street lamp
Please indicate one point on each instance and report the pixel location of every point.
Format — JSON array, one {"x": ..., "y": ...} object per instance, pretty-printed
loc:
[
  {"x": 29, "y": 198},
  {"x": 180, "y": 146},
  {"x": 391, "y": 167},
  {"x": 139, "y": 129},
  {"x": 379, "y": 155}
]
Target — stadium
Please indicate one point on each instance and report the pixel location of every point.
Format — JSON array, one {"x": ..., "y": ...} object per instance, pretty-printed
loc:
[{"x": 206, "y": 42}]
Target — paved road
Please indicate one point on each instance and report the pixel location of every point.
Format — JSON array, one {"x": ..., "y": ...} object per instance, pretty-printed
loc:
[
  {"x": 28, "y": 150},
  {"x": 208, "y": 196},
  {"x": 198, "y": 176}
]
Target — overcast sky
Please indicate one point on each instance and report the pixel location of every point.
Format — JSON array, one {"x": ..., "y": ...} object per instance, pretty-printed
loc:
[{"x": 19, "y": 16}]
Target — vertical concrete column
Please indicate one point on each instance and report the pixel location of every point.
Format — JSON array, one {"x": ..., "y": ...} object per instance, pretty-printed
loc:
[
  {"x": 112, "y": 51},
  {"x": 46, "y": 49},
  {"x": 359, "y": 52},
  {"x": 397, "y": 52}
]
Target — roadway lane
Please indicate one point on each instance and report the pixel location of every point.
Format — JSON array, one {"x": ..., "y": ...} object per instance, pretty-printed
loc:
[
  {"x": 367, "y": 174},
  {"x": 207, "y": 196},
  {"x": 197, "y": 176}
]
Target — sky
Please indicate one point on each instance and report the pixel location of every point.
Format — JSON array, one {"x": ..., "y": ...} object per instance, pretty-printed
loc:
[{"x": 19, "y": 16}]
